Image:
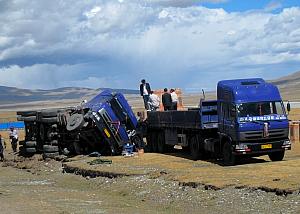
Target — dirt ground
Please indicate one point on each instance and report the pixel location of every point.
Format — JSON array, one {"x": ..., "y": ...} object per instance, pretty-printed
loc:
[{"x": 150, "y": 183}]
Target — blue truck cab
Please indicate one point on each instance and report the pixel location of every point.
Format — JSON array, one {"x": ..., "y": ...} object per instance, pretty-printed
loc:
[
  {"x": 252, "y": 119},
  {"x": 106, "y": 122}
]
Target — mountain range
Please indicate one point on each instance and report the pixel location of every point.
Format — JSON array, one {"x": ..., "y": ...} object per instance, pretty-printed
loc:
[{"x": 289, "y": 87}]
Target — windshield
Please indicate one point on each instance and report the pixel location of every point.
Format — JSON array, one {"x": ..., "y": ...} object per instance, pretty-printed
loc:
[{"x": 260, "y": 109}]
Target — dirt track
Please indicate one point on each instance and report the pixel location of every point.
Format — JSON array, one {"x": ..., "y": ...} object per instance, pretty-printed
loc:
[{"x": 154, "y": 183}]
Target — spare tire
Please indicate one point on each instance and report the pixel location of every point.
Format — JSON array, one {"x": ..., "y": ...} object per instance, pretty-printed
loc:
[
  {"x": 30, "y": 144},
  {"x": 49, "y": 148},
  {"x": 26, "y": 113},
  {"x": 49, "y": 113},
  {"x": 76, "y": 121},
  {"x": 50, "y": 155},
  {"x": 27, "y": 118},
  {"x": 30, "y": 150},
  {"x": 49, "y": 119}
]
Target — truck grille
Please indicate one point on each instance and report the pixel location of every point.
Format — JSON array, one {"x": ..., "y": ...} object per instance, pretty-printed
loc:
[
  {"x": 109, "y": 124},
  {"x": 258, "y": 135}
]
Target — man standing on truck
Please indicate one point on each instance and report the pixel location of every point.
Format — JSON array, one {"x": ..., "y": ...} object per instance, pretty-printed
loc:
[
  {"x": 174, "y": 99},
  {"x": 167, "y": 100},
  {"x": 145, "y": 92},
  {"x": 13, "y": 136},
  {"x": 154, "y": 101}
]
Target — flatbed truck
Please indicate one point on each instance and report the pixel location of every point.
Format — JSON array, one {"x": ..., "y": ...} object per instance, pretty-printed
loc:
[{"x": 247, "y": 119}]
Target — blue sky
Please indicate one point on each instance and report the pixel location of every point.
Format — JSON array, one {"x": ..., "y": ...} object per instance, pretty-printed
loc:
[
  {"x": 188, "y": 44},
  {"x": 246, "y": 5}
]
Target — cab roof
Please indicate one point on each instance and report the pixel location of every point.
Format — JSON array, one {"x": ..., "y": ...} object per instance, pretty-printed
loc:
[{"x": 247, "y": 90}]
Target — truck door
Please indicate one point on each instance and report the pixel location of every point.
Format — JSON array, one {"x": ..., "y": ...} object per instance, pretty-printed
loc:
[{"x": 229, "y": 125}]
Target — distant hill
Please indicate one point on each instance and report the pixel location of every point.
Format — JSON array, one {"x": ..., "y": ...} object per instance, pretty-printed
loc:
[
  {"x": 10, "y": 95},
  {"x": 289, "y": 86}
]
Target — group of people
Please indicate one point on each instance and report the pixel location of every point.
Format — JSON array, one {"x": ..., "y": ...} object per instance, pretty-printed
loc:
[
  {"x": 152, "y": 101},
  {"x": 13, "y": 136}
]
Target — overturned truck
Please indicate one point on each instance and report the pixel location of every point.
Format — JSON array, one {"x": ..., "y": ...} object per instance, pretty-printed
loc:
[{"x": 104, "y": 124}]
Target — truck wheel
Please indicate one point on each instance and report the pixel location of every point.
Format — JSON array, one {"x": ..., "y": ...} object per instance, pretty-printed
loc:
[
  {"x": 49, "y": 113},
  {"x": 51, "y": 155},
  {"x": 194, "y": 148},
  {"x": 228, "y": 157},
  {"x": 50, "y": 149},
  {"x": 30, "y": 150},
  {"x": 49, "y": 120},
  {"x": 161, "y": 146},
  {"x": 30, "y": 144},
  {"x": 54, "y": 143},
  {"x": 26, "y": 113},
  {"x": 76, "y": 121},
  {"x": 276, "y": 156},
  {"x": 26, "y": 119}
]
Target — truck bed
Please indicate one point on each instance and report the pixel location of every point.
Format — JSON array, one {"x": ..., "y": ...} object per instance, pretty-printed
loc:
[{"x": 175, "y": 119}]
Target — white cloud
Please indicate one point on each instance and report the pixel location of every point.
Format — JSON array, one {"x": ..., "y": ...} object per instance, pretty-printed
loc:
[{"x": 116, "y": 43}]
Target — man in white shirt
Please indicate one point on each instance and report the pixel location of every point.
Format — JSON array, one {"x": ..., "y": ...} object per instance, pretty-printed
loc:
[
  {"x": 13, "y": 136},
  {"x": 174, "y": 99},
  {"x": 154, "y": 101}
]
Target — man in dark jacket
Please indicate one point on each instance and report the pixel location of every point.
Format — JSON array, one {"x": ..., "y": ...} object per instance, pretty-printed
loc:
[
  {"x": 145, "y": 92},
  {"x": 167, "y": 100}
]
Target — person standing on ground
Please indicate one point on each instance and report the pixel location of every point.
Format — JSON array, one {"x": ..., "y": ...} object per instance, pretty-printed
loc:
[
  {"x": 13, "y": 136},
  {"x": 145, "y": 92},
  {"x": 2, "y": 146},
  {"x": 154, "y": 101},
  {"x": 167, "y": 100},
  {"x": 174, "y": 99}
]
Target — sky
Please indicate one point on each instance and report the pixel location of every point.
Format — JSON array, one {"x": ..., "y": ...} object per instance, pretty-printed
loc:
[{"x": 188, "y": 44}]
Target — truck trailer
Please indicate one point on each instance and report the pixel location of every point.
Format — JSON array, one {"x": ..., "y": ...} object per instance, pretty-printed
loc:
[
  {"x": 248, "y": 119},
  {"x": 104, "y": 124}
]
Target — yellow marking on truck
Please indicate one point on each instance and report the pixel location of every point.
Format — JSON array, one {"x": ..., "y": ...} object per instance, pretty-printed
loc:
[
  {"x": 107, "y": 133},
  {"x": 266, "y": 146}
]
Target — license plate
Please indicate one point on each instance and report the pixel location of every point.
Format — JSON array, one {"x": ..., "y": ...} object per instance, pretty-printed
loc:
[{"x": 266, "y": 146}]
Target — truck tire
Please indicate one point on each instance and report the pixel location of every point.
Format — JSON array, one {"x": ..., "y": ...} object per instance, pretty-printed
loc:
[
  {"x": 76, "y": 121},
  {"x": 30, "y": 150},
  {"x": 49, "y": 120},
  {"x": 51, "y": 155},
  {"x": 52, "y": 135},
  {"x": 276, "y": 156},
  {"x": 26, "y": 119},
  {"x": 49, "y": 113},
  {"x": 50, "y": 149},
  {"x": 194, "y": 148},
  {"x": 26, "y": 113},
  {"x": 30, "y": 144},
  {"x": 54, "y": 143},
  {"x": 228, "y": 158}
]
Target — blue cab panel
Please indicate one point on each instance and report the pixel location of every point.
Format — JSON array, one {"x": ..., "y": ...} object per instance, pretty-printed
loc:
[{"x": 247, "y": 90}]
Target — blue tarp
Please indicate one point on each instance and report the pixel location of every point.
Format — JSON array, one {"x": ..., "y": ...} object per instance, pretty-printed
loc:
[{"x": 17, "y": 125}]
